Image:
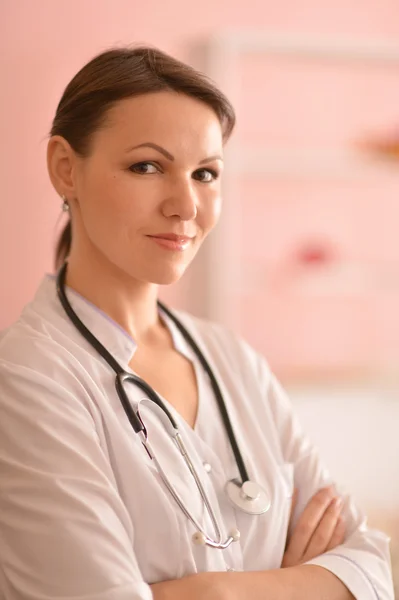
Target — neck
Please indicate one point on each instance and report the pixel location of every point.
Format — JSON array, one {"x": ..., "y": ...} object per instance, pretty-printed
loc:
[{"x": 130, "y": 303}]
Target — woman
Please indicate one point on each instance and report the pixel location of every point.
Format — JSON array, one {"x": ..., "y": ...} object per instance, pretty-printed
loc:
[{"x": 136, "y": 154}]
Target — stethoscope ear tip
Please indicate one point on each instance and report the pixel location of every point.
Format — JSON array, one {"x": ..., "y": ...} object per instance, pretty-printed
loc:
[
  {"x": 199, "y": 538},
  {"x": 235, "y": 535}
]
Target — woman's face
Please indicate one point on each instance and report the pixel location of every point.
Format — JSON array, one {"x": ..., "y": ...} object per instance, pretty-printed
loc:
[{"x": 149, "y": 192}]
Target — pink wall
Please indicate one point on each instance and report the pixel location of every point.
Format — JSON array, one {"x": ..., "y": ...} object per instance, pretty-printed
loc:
[
  {"x": 42, "y": 44},
  {"x": 337, "y": 317}
]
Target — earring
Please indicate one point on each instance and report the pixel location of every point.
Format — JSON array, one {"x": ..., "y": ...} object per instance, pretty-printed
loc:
[{"x": 65, "y": 205}]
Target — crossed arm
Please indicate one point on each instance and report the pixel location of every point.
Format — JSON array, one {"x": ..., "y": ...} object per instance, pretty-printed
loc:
[
  {"x": 306, "y": 582},
  {"x": 320, "y": 528}
]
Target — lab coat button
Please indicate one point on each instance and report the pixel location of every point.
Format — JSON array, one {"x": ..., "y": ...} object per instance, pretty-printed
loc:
[{"x": 207, "y": 467}]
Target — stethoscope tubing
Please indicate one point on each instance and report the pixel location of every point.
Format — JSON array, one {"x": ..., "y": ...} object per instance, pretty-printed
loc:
[
  {"x": 239, "y": 493},
  {"x": 122, "y": 376}
]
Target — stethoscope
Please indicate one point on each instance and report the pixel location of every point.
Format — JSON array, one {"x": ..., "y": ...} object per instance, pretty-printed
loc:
[{"x": 246, "y": 495}]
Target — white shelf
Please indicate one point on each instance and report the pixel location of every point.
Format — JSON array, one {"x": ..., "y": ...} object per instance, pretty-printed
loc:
[
  {"x": 306, "y": 46},
  {"x": 318, "y": 281},
  {"x": 315, "y": 163}
]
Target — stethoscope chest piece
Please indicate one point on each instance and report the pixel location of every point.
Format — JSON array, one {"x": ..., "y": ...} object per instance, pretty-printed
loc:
[{"x": 249, "y": 497}]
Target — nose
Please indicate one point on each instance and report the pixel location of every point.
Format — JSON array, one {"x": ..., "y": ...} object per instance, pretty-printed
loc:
[{"x": 182, "y": 200}]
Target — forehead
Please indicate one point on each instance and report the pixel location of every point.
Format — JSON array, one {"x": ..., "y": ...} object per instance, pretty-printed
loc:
[{"x": 166, "y": 118}]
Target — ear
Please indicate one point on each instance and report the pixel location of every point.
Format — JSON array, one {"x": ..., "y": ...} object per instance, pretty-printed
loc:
[{"x": 61, "y": 160}]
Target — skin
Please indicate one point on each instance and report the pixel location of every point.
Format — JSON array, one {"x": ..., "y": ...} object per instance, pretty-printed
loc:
[{"x": 128, "y": 189}]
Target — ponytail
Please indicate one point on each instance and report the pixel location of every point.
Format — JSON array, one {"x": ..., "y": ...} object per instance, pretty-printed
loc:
[{"x": 63, "y": 245}]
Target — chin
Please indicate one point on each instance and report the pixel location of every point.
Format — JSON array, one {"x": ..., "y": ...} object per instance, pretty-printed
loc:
[
  {"x": 161, "y": 274},
  {"x": 168, "y": 277}
]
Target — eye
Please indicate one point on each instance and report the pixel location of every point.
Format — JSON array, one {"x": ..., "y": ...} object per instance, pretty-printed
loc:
[
  {"x": 205, "y": 175},
  {"x": 144, "y": 168}
]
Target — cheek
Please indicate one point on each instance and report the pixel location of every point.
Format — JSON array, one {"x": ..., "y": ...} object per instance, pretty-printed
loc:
[
  {"x": 105, "y": 213},
  {"x": 103, "y": 209},
  {"x": 113, "y": 201}
]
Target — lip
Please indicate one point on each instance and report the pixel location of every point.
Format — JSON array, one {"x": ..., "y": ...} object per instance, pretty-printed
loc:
[{"x": 172, "y": 241}]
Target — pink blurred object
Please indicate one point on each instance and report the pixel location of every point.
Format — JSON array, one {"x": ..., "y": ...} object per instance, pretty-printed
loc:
[
  {"x": 314, "y": 253},
  {"x": 383, "y": 146}
]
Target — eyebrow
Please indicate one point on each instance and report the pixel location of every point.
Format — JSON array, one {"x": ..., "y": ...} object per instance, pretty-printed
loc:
[{"x": 170, "y": 156}]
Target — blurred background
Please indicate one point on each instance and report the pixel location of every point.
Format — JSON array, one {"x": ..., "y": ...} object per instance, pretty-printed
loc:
[{"x": 305, "y": 262}]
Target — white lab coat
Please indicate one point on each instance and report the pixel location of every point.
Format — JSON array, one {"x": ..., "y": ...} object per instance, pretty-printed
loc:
[{"x": 83, "y": 513}]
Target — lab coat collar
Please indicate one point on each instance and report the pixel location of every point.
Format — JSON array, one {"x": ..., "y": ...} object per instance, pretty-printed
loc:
[{"x": 112, "y": 336}]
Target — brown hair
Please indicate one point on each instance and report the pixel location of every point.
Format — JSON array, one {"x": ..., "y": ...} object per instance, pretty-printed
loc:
[{"x": 122, "y": 73}]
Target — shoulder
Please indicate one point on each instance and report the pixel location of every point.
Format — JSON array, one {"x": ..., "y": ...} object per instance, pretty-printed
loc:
[
  {"x": 38, "y": 365},
  {"x": 33, "y": 342},
  {"x": 42, "y": 338}
]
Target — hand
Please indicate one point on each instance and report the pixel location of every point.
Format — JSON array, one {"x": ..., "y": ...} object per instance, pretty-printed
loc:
[{"x": 320, "y": 528}]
